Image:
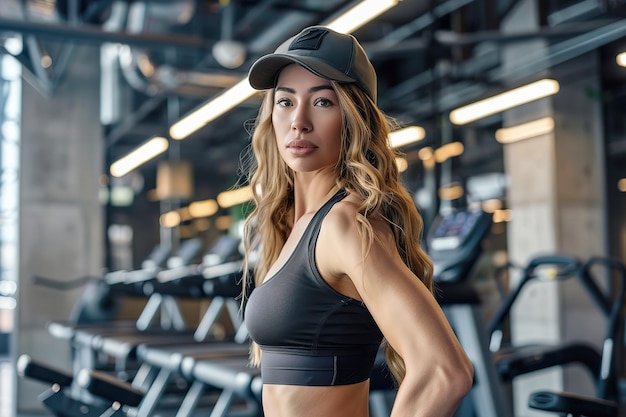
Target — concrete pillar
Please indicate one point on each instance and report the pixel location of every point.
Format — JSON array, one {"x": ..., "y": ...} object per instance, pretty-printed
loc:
[
  {"x": 557, "y": 200},
  {"x": 61, "y": 220}
]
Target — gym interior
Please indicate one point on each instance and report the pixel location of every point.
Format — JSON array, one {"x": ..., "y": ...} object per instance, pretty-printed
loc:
[{"x": 124, "y": 125}]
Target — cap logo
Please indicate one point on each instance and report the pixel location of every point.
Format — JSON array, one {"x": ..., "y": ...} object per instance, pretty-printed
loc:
[{"x": 310, "y": 39}]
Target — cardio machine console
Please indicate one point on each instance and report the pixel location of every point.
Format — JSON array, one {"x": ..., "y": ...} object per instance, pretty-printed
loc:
[{"x": 454, "y": 243}]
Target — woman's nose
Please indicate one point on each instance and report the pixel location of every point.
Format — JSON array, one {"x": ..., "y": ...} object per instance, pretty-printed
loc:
[{"x": 301, "y": 121}]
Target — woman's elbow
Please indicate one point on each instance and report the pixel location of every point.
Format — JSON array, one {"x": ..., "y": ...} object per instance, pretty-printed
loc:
[
  {"x": 460, "y": 379},
  {"x": 454, "y": 378}
]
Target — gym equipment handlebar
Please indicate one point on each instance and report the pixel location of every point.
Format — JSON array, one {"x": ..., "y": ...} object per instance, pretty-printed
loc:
[
  {"x": 109, "y": 387},
  {"x": 28, "y": 367},
  {"x": 566, "y": 402}
]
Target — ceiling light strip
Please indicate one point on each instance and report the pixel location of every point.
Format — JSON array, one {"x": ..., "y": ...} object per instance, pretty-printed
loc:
[
  {"x": 504, "y": 101},
  {"x": 213, "y": 109},
  {"x": 360, "y": 14},
  {"x": 139, "y": 156},
  {"x": 204, "y": 208},
  {"x": 230, "y": 198},
  {"x": 523, "y": 131},
  {"x": 403, "y": 137}
]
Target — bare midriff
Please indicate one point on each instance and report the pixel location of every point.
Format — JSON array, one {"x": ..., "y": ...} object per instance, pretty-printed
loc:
[{"x": 301, "y": 401}]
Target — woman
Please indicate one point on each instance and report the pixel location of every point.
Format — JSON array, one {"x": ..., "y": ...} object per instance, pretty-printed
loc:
[{"x": 340, "y": 263}]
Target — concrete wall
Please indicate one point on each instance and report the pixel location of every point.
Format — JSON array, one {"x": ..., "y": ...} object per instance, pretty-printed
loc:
[{"x": 61, "y": 219}]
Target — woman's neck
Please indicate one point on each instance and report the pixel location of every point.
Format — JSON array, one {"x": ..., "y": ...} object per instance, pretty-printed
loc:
[{"x": 309, "y": 196}]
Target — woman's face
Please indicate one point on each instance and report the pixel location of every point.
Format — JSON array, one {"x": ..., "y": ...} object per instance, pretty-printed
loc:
[{"x": 307, "y": 120}]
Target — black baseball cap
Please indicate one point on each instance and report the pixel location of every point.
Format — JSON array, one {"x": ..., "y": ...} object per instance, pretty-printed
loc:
[{"x": 324, "y": 52}]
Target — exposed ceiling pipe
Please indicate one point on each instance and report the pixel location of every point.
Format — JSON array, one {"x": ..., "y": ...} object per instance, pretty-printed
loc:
[
  {"x": 112, "y": 104},
  {"x": 422, "y": 22},
  {"x": 137, "y": 66},
  {"x": 144, "y": 74},
  {"x": 558, "y": 53}
]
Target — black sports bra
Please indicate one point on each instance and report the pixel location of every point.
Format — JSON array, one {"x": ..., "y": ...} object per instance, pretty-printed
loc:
[{"x": 309, "y": 333}]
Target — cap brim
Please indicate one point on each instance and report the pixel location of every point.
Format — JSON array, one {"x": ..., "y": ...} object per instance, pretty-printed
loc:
[{"x": 264, "y": 72}]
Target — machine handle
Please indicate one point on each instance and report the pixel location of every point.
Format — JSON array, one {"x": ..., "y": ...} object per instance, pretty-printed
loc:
[
  {"x": 106, "y": 386},
  {"x": 573, "y": 404},
  {"x": 568, "y": 265},
  {"x": 28, "y": 367}
]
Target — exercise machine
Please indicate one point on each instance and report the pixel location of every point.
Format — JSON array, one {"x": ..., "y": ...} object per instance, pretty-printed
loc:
[
  {"x": 57, "y": 400},
  {"x": 454, "y": 245},
  {"x": 607, "y": 400},
  {"x": 122, "y": 342},
  {"x": 514, "y": 360}
]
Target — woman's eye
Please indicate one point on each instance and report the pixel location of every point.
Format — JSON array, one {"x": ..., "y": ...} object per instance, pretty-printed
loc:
[
  {"x": 324, "y": 102},
  {"x": 283, "y": 102}
]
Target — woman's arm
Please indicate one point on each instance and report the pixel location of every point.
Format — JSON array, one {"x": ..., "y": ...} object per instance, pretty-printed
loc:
[{"x": 438, "y": 372}]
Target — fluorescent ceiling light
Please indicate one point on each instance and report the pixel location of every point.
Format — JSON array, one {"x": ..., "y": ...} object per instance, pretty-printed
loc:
[
  {"x": 141, "y": 155},
  {"x": 407, "y": 135},
  {"x": 234, "y": 197},
  {"x": 449, "y": 150},
  {"x": 170, "y": 219},
  {"x": 242, "y": 91},
  {"x": 204, "y": 208},
  {"x": 427, "y": 155},
  {"x": 504, "y": 101},
  {"x": 525, "y": 131},
  {"x": 502, "y": 215},
  {"x": 452, "y": 191},
  {"x": 621, "y": 59},
  {"x": 360, "y": 14},
  {"x": 213, "y": 109}
]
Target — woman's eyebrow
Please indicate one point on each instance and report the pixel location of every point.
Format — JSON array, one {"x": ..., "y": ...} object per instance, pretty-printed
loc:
[
  {"x": 320, "y": 88},
  {"x": 311, "y": 90}
]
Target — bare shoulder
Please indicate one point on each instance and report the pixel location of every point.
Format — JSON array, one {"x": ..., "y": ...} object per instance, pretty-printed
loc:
[
  {"x": 362, "y": 249},
  {"x": 343, "y": 232},
  {"x": 344, "y": 219}
]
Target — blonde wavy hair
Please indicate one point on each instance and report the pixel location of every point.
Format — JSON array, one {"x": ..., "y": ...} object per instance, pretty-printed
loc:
[{"x": 366, "y": 167}]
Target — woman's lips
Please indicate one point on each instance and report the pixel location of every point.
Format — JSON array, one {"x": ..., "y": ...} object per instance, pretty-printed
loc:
[{"x": 300, "y": 147}]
